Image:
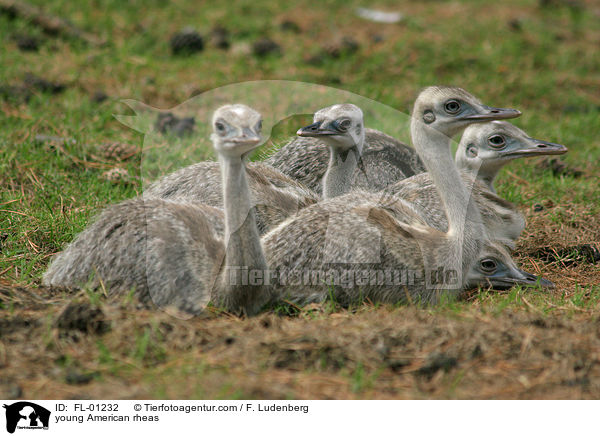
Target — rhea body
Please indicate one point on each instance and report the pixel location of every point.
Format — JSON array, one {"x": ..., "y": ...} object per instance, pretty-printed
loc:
[
  {"x": 362, "y": 231},
  {"x": 177, "y": 254}
]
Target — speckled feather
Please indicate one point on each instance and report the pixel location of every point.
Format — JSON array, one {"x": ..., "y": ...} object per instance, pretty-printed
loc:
[
  {"x": 501, "y": 219},
  {"x": 301, "y": 243},
  {"x": 338, "y": 232},
  {"x": 275, "y": 195},
  {"x": 385, "y": 160},
  {"x": 137, "y": 245}
]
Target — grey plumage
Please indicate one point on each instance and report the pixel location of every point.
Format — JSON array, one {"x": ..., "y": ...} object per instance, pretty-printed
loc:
[
  {"x": 275, "y": 195},
  {"x": 385, "y": 160},
  {"x": 361, "y": 231},
  {"x": 501, "y": 218},
  {"x": 176, "y": 254},
  {"x": 346, "y": 235},
  {"x": 341, "y": 127},
  {"x": 379, "y": 257},
  {"x": 180, "y": 254},
  {"x": 483, "y": 150},
  {"x": 168, "y": 253}
]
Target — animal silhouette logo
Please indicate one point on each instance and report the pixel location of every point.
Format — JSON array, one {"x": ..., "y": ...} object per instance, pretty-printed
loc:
[{"x": 26, "y": 415}]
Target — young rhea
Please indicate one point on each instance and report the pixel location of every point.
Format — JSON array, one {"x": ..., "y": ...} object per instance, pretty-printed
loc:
[
  {"x": 172, "y": 253},
  {"x": 340, "y": 127},
  {"x": 383, "y": 159},
  {"x": 274, "y": 195},
  {"x": 483, "y": 150},
  {"x": 358, "y": 234}
]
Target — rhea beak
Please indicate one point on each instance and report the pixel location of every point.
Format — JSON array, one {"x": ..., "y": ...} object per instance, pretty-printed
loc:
[
  {"x": 245, "y": 141},
  {"x": 315, "y": 130},
  {"x": 493, "y": 113},
  {"x": 538, "y": 147},
  {"x": 519, "y": 277},
  {"x": 248, "y": 137}
]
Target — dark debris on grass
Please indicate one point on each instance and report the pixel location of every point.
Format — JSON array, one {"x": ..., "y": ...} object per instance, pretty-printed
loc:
[
  {"x": 218, "y": 37},
  {"x": 43, "y": 85},
  {"x": 99, "y": 97},
  {"x": 15, "y": 93},
  {"x": 26, "y": 42},
  {"x": 569, "y": 256},
  {"x": 31, "y": 84},
  {"x": 83, "y": 317},
  {"x": 560, "y": 168},
  {"x": 389, "y": 345},
  {"x": 346, "y": 46},
  {"x": 266, "y": 46},
  {"x": 290, "y": 26},
  {"x": 169, "y": 123},
  {"x": 186, "y": 42},
  {"x": 437, "y": 362}
]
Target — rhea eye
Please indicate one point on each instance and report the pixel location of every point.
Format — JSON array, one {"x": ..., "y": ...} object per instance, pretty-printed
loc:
[
  {"x": 452, "y": 106},
  {"x": 488, "y": 265},
  {"x": 497, "y": 141},
  {"x": 219, "y": 126},
  {"x": 344, "y": 125}
]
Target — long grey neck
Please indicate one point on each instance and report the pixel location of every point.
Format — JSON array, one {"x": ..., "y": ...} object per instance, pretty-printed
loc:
[
  {"x": 464, "y": 222},
  {"x": 241, "y": 233},
  {"x": 340, "y": 171},
  {"x": 485, "y": 173},
  {"x": 244, "y": 257},
  {"x": 488, "y": 181}
]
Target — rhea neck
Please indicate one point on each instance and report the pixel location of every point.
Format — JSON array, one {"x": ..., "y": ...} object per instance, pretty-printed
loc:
[
  {"x": 488, "y": 176},
  {"x": 340, "y": 171},
  {"x": 486, "y": 172},
  {"x": 243, "y": 247},
  {"x": 464, "y": 222}
]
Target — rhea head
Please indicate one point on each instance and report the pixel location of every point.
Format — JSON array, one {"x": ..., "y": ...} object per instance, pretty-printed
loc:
[
  {"x": 236, "y": 130},
  {"x": 340, "y": 126}
]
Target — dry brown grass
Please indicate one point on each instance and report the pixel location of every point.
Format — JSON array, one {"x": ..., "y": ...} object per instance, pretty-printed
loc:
[
  {"x": 549, "y": 247},
  {"x": 88, "y": 351}
]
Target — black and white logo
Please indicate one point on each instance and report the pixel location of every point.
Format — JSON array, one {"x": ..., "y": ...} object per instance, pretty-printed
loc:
[{"x": 25, "y": 415}]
